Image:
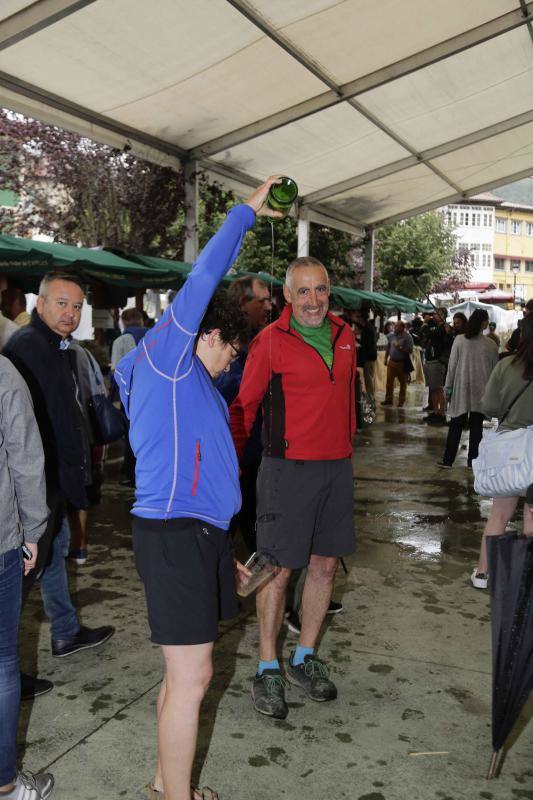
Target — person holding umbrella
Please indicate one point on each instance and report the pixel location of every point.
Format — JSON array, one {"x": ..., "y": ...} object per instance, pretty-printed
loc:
[{"x": 512, "y": 378}]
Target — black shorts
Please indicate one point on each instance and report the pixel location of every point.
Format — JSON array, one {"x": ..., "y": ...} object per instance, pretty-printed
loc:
[
  {"x": 305, "y": 508},
  {"x": 186, "y": 566}
]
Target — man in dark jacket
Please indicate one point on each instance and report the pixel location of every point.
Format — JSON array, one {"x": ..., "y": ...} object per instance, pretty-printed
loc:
[
  {"x": 437, "y": 339},
  {"x": 40, "y": 351}
]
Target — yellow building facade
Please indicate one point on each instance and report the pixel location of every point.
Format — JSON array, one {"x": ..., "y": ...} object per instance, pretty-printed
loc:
[{"x": 513, "y": 249}]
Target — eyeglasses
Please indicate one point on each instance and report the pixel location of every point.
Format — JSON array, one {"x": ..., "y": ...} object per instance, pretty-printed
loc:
[{"x": 236, "y": 353}]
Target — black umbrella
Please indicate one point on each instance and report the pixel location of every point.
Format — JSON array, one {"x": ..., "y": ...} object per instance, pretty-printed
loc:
[{"x": 511, "y": 590}]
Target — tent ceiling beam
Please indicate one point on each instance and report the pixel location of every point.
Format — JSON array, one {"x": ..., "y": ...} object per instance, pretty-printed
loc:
[
  {"x": 74, "y": 110},
  {"x": 425, "y": 58},
  {"x": 422, "y": 157},
  {"x": 35, "y": 18},
  {"x": 456, "y": 198},
  {"x": 399, "y": 140},
  {"x": 523, "y": 6},
  {"x": 242, "y": 183},
  {"x": 259, "y": 22},
  {"x": 333, "y": 219}
]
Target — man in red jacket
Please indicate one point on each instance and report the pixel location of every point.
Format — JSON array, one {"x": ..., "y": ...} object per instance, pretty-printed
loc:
[{"x": 301, "y": 369}]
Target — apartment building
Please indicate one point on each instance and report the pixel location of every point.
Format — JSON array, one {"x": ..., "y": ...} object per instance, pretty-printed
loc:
[
  {"x": 474, "y": 227},
  {"x": 513, "y": 249}
]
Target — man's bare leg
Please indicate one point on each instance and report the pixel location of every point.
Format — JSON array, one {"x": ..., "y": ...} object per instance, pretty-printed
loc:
[
  {"x": 316, "y": 597},
  {"x": 187, "y": 676},
  {"x": 270, "y": 601}
]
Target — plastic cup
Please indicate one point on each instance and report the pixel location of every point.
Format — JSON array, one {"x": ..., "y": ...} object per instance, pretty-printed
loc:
[{"x": 263, "y": 567}]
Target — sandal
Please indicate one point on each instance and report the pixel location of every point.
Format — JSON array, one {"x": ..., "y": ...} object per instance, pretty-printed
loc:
[
  {"x": 198, "y": 794},
  {"x": 204, "y": 794}
]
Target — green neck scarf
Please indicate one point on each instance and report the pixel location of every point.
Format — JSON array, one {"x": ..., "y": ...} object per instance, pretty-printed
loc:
[{"x": 319, "y": 338}]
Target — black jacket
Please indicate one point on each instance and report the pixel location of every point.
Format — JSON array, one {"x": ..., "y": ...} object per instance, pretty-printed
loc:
[
  {"x": 437, "y": 342},
  {"x": 34, "y": 350}
]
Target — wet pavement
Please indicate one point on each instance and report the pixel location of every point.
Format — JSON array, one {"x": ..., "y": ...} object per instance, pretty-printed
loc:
[{"x": 410, "y": 655}]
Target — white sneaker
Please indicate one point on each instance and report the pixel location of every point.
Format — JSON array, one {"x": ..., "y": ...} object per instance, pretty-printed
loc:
[
  {"x": 480, "y": 580},
  {"x": 31, "y": 787}
]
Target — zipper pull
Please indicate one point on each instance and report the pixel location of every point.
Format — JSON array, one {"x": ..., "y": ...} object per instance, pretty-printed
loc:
[{"x": 198, "y": 451}]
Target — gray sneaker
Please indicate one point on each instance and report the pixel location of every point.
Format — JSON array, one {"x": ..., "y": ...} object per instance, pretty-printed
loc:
[
  {"x": 31, "y": 787},
  {"x": 313, "y": 677},
  {"x": 268, "y": 693}
]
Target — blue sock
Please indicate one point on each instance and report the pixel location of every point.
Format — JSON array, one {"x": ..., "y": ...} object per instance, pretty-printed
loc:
[
  {"x": 300, "y": 653},
  {"x": 267, "y": 665}
]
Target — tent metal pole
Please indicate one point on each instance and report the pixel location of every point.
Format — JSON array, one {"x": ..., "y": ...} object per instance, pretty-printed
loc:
[
  {"x": 369, "y": 261},
  {"x": 191, "y": 212},
  {"x": 304, "y": 227}
]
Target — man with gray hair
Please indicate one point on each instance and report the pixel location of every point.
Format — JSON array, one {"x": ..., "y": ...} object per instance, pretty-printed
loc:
[
  {"x": 40, "y": 352},
  {"x": 301, "y": 369}
]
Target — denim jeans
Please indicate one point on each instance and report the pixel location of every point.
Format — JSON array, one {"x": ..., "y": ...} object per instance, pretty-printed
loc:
[
  {"x": 10, "y": 605},
  {"x": 54, "y": 588}
]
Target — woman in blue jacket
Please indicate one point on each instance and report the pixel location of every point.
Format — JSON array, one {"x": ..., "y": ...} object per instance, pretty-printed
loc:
[{"x": 187, "y": 487}]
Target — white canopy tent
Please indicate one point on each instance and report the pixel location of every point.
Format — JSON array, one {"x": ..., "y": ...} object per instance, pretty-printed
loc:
[
  {"x": 506, "y": 319},
  {"x": 379, "y": 109}
]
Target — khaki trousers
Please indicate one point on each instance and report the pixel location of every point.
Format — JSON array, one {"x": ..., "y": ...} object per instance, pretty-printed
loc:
[{"x": 396, "y": 369}]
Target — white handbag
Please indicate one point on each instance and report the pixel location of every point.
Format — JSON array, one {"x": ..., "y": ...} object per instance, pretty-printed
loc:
[{"x": 504, "y": 466}]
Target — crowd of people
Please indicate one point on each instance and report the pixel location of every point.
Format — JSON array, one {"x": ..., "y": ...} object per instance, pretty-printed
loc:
[{"x": 222, "y": 404}]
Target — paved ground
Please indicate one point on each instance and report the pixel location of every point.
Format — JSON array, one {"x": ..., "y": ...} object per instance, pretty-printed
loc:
[{"x": 410, "y": 655}]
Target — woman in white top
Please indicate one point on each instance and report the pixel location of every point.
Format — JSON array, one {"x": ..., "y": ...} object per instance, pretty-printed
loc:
[
  {"x": 472, "y": 359},
  {"x": 509, "y": 394}
]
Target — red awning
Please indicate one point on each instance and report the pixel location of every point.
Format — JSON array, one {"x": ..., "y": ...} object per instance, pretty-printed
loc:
[
  {"x": 501, "y": 297},
  {"x": 480, "y": 287}
]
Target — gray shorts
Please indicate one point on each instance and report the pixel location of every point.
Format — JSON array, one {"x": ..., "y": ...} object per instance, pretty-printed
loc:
[
  {"x": 305, "y": 508},
  {"x": 436, "y": 375}
]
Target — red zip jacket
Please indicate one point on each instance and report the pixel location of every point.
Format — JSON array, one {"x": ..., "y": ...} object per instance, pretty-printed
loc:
[{"x": 308, "y": 409}]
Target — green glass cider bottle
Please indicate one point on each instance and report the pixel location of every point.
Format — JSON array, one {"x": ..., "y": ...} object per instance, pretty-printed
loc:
[{"x": 282, "y": 195}]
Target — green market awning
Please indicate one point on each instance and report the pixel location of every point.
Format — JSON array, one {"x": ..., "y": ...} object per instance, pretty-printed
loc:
[
  {"x": 407, "y": 304},
  {"x": 31, "y": 258},
  {"x": 27, "y": 258},
  {"x": 17, "y": 255}
]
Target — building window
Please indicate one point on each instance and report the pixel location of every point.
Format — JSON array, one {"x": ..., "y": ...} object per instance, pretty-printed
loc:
[
  {"x": 487, "y": 220},
  {"x": 486, "y": 260},
  {"x": 529, "y": 266},
  {"x": 515, "y": 263},
  {"x": 487, "y": 248},
  {"x": 516, "y": 227},
  {"x": 499, "y": 264},
  {"x": 529, "y": 228},
  {"x": 476, "y": 220},
  {"x": 501, "y": 225}
]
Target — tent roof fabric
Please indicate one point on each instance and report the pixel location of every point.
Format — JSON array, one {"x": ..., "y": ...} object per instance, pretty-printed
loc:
[{"x": 378, "y": 110}]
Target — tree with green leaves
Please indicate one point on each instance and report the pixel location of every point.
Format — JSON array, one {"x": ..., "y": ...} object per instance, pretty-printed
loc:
[{"x": 425, "y": 242}]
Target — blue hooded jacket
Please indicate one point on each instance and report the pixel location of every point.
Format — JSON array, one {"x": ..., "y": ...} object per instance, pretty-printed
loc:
[{"x": 179, "y": 422}]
